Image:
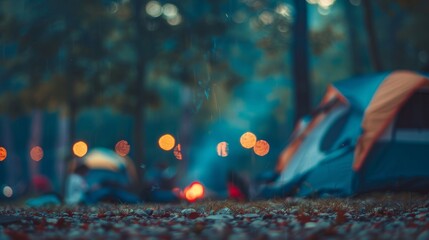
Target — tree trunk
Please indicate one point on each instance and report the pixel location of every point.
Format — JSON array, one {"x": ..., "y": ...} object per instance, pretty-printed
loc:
[
  {"x": 300, "y": 61},
  {"x": 140, "y": 89},
  {"x": 63, "y": 150},
  {"x": 372, "y": 40},
  {"x": 66, "y": 153},
  {"x": 185, "y": 131},
  {"x": 35, "y": 140},
  {"x": 12, "y": 163},
  {"x": 71, "y": 109},
  {"x": 353, "y": 38}
]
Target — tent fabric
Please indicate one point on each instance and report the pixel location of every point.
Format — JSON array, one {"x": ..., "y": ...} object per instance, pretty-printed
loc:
[
  {"x": 103, "y": 158},
  {"x": 348, "y": 146},
  {"x": 309, "y": 155},
  {"x": 394, "y": 166},
  {"x": 389, "y": 98},
  {"x": 103, "y": 162},
  {"x": 287, "y": 154},
  {"x": 373, "y": 93},
  {"x": 358, "y": 91}
]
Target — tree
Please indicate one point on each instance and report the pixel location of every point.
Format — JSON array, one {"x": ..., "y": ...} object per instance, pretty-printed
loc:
[
  {"x": 189, "y": 55},
  {"x": 403, "y": 29},
  {"x": 300, "y": 60},
  {"x": 98, "y": 55},
  {"x": 372, "y": 41},
  {"x": 57, "y": 56},
  {"x": 61, "y": 58}
]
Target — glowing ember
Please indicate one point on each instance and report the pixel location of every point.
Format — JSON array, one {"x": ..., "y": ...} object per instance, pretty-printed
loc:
[
  {"x": 261, "y": 148},
  {"x": 248, "y": 140},
  {"x": 3, "y": 153},
  {"x": 166, "y": 142},
  {"x": 7, "y": 191},
  {"x": 80, "y": 148},
  {"x": 122, "y": 148},
  {"x": 222, "y": 149},
  {"x": 194, "y": 191},
  {"x": 178, "y": 152},
  {"x": 36, "y": 153}
]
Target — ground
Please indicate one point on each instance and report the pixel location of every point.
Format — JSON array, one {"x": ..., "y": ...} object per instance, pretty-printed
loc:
[{"x": 383, "y": 216}]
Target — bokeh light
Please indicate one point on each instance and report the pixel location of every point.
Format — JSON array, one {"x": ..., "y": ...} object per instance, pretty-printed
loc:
[
  {"x": 166, "y": 142},
  {"x": 312, "y": 1},
  {"x": 194, "y": 192},
  {"x": 326, "y": 3},
  {"x": 154, "y": 9},
  {"x": 178, "y": 152},
  {"x": 323, "y": 11},
  {"x": 7, "y": 191},
  {"x": 114, "y": 7},
  {"x": 122, "y": 148},
  {"x": 261, "y": 148},
  {"x": 169, "y": 10},
  {"x": 3, "y": 153},
  {"x": 283, "y": 10},
  {"x": 222, "y": 149},
  {"x": 248, "y": 140},
  {"x": 174, "y": 21},
  {"x": 80, "y": 148},
  {"x": 266, "y": 17},
  {"x": 36, "y": 153}
]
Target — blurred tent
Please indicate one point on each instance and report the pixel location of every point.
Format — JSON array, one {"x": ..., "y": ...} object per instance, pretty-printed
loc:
[
  {"x": 107, "y": 165},
  {"x": 370, "y": 133}
]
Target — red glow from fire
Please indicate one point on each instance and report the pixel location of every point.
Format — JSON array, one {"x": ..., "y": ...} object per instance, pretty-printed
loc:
[
  {"x": 194, "y": 192},
  {"x": 176, "y": 191}
]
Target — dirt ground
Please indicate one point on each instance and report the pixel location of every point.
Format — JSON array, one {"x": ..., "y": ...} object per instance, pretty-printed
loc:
[{"x": 382, "y": 216}]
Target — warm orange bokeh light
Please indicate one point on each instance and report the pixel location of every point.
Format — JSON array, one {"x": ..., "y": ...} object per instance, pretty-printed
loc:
[
  {"x": 122, "y": 148},
  {"x": 194, "y": 191},
  {"x": 166, "y": 142},
  {"x": 248, "y": 140},
  {"x": 261, "y": 148},
  {"x": 178, "y": 152},
  {"x": 3, "y": 153},
  {"x": 222, "y": 149},
  {"x": 36, "y": 153},
  {"x": 80, "y": 148}
]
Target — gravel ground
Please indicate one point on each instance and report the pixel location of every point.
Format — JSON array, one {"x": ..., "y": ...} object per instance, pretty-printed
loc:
[{"x": 386, "y": 216}]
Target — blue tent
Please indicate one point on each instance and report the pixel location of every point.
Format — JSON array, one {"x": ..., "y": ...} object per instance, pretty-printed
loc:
[{"x": 369, "y": 133}]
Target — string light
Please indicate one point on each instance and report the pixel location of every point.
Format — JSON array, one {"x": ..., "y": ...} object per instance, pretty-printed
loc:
[
  {"x": 166, "y": 142},
  {"x": 248, "y": 140},
  {"x": 122, "y": 148},
  {"x": 36, "y": 153},
  {"x": 80, "y": 148},
  {"x": 3, "y": 153},
  {"x": 261, "y": 148}
]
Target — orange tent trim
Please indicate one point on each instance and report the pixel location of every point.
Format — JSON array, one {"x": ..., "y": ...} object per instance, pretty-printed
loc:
[
  {"x": 287, "y": 154},
  {"x": 392, "y": 94}
]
